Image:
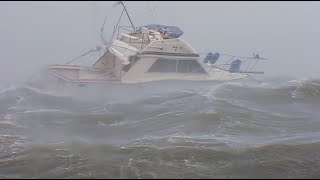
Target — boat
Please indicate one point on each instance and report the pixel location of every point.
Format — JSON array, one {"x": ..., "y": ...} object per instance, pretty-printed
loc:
[{"x": 148, "y": 53}]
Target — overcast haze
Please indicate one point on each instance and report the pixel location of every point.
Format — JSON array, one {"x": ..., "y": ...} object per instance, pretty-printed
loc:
[{"x": 34, "y": 34}]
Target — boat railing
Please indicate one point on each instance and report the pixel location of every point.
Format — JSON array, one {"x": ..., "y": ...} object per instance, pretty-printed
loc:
[
  {"x": 124, "y": 29},
  {"x": 143, "y": 41}
]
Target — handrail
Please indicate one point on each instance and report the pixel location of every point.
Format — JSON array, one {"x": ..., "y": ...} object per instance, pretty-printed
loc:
[{"x": 130, "y": 32}]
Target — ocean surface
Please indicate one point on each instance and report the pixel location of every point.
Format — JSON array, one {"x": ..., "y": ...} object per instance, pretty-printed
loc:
[{"x": 259, "y": 129}]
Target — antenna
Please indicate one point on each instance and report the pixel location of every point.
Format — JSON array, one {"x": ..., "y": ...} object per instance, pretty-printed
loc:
[{"x": 120, "y": 2}]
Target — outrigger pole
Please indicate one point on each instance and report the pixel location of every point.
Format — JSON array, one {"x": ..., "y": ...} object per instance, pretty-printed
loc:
[{"x": 120, "y": 2}]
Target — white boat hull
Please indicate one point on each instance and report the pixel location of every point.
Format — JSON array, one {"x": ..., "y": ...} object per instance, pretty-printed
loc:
[{"x": 95, "y": 90}]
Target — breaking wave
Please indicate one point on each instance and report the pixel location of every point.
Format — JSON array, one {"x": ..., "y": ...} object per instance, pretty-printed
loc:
[{"x": 226, "y": 130}]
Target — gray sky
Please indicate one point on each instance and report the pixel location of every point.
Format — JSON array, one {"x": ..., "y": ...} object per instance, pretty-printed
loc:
[{"x": 34, "y": 34}]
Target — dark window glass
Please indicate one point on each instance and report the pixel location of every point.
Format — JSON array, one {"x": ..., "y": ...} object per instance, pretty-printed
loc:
[
  {"x": 164, "y": 65},
  {"x": 189, "y": 66},
  {"x": 183, "y": 66}
]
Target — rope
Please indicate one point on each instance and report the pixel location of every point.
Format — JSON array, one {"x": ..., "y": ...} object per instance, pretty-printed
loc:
[
  {"x": 254, "y": 65},
  {"x": 101, "y": 30},
  {"x": 79, "y": 57}
]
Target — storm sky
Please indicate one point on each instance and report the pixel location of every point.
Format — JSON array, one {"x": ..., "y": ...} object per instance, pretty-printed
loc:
[{"x": 35, "y": 34}]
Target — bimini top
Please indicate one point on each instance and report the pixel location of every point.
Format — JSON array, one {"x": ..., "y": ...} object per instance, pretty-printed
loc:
[{"x": 166, "y": 31}]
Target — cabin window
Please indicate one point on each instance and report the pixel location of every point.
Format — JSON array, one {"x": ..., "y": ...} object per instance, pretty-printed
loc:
[
  {"x": 189, "y": 66},
  {"x": 164, "y": 65},
  {"x": 176, "y": 66}
]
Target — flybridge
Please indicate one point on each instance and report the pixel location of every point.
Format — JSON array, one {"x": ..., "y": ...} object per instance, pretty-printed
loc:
[{"x": 166, "y": 31}]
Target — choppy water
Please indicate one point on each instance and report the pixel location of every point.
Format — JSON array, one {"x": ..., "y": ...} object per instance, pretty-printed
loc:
[{"x": 229, "y": 130}]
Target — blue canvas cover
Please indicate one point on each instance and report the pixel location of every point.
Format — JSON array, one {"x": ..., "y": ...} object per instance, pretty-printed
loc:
[{"x": 172, "y": 31}]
